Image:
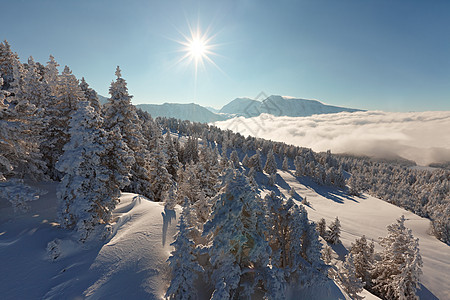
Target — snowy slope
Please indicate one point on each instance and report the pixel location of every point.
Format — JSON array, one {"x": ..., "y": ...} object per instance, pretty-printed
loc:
[
  {"x": 130, "y": 265},
  {"x": 369, "y": 216},
  {"x": 192, "y": 112}
]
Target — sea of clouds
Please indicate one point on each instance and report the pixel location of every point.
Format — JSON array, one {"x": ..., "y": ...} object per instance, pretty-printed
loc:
[{"x": 423, "y": 137}]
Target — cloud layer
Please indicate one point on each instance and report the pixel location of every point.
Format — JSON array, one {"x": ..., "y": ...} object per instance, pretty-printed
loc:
[{"x": 423, "y": 137}]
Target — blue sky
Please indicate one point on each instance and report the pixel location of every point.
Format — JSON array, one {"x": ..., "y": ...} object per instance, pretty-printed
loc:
[{"x": 383, "y": 54}]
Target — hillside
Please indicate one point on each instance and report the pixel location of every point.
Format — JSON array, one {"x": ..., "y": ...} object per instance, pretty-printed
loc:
[{"x": 131, "y": 262}]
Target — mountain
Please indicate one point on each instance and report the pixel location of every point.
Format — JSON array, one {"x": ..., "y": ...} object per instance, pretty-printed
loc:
[
  {"x": 102, "y": 99},
  {"x": 240, "y": 107},
  {"x": 191, "y": 111},
  {"x": 245, "y": 107},
  {"x": 280, "y": 106},
  {"x": 294, "y": 107}
]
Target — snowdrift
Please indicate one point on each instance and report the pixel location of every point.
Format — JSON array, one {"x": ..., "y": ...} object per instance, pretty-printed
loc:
[{"x": 130, "y": 264}]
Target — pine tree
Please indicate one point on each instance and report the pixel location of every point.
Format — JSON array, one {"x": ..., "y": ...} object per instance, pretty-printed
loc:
[
  {"x": 173, "y": 164},
  {"x": 271, "y": 166},
  {"x": 8, "y": 60},
  {"x": 363, "y": 258},
  {"x": 119, "y": 112},
  {"x": 285, "y": 165},
  {"x": 19, "y": 144},
  {"x": 234, "y": 157},
  {"x": 58, "y": 112},
  {"x": 300, "y": 166},
  {"x": 333, "y": 235},
  {"x": 90, "y": 95},
  {"x": 349, "y": 280},
  {"x": 90, "y": 189},
  {"x": 245, "y": 161},
  {"x": 322, "y": 228},
  {"x": 396, "y": 275},
  {"x": 255, "y": 162},
  {"x": 238, "y": 243},
  {"x": 183, "y": 262}
]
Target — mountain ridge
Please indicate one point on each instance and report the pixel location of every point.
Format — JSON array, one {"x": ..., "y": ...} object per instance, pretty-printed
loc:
[{"x": 242, "y": 107}]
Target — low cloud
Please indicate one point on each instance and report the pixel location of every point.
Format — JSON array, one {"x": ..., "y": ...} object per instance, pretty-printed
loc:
[{"x": 423, "y": 137}]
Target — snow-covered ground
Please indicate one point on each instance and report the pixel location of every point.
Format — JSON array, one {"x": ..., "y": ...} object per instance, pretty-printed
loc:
[
  {"x": 369, "y": 216},
  {"x": 131, "y": 263}
]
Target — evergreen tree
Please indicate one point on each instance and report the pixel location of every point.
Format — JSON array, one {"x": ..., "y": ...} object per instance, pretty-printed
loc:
[
  {"x": 245, "y": 161},
  {"x": 234, "y": 157},
  {"x": 285, "y": 165},
  {"x": 255, "y": 162},
  {"x": 58, "y": 112},
  {"x": 8, "y": 60},
  {"x": 396, "y": 275},
  {"x": 349, "y": 280},
  {"x": 271, "y": 166},
  {"x": 238, "y": 243},
  {"x": 363, "y": 258},
  {"x": 333, "y": 235},
  {"x": 119, "y": 112},
  {"x": 322, "y": 228},
  {"x": 173, "y": 164},
  {"x": 183, "y": 262},
  {"x": 90, "y": 95},
  {"x": 90, "y": 189}
]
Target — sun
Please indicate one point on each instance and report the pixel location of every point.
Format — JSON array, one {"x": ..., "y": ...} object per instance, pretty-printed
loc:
[{"x": 198, "y": 49}]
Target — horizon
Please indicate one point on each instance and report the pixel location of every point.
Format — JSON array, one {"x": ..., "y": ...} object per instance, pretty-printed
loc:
[{"x": 372, "y": 56}]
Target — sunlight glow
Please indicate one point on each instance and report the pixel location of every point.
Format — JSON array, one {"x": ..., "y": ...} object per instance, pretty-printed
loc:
[{"x": 198, "y": 49}]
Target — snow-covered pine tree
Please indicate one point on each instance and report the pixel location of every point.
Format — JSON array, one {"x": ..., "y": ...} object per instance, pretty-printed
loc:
[
  {"x": 90, "y": 188},
  {"x": 58, "y": 112},
  {"x": 239, "y": 254},
  {"x": 208, "y": 171},
  {"x": 245, "y": 161},
  {"x": 300, "y": 166},
  {"x": 363, "y": 258},
  {"x": 285, "y": 165},
  {"x": 322, "y": 228},
  {"x": 119, "y": 112},
  {"x": 90, "y": 95},
  {"x": 334, "y": 232},
  {"x": 234, "y": 157},
  {"x": 271, "y": 166},
  {"x": 190, "y": 151},
  {"x": 255, "y": 162},
  {"x": 183, "y": 262},
  {"x": 397, "y": 274},
  {"x": 348, "y": 278},
  {"x": 19, "y": 156},
  {"x": 8, "y": 60},
  {"x": 173, "y": 164}
]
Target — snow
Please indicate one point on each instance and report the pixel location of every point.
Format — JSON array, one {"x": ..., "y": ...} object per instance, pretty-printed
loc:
[
  {"x": 131, "y": 263},
  {"x": 369, "y": 216}
]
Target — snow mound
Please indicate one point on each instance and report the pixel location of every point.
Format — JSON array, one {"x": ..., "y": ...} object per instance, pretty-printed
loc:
[{"x": 131, "y": 263}]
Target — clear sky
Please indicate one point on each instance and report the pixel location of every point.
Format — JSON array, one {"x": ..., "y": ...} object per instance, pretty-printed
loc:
[{"x": 381, "y": 54}]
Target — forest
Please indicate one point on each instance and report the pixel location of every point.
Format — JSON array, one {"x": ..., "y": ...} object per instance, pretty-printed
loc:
[{"x": 53, "y": 128}]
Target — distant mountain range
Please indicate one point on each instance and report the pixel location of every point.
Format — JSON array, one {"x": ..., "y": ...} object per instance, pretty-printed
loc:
[{"x": 245, "y": 107}]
